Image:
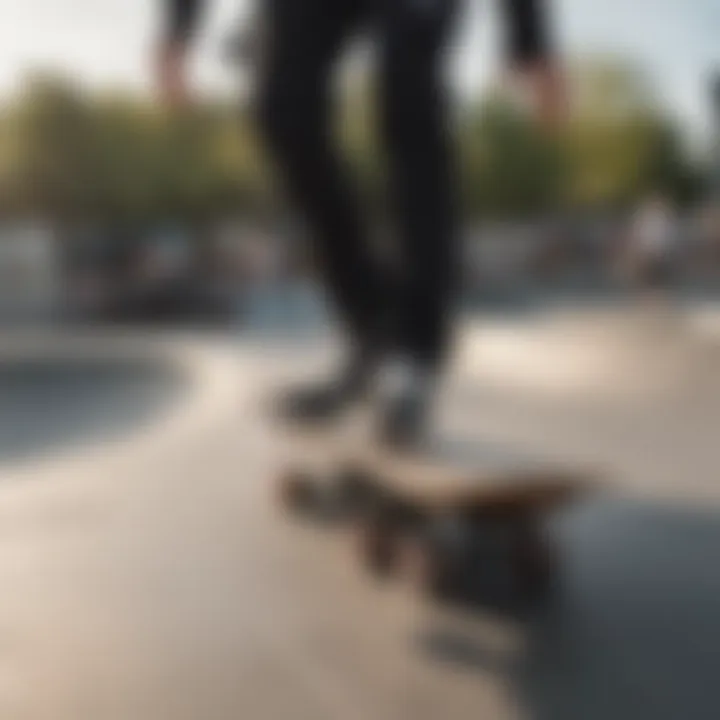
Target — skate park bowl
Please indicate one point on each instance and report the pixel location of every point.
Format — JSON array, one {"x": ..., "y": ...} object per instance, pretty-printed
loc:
[{"x": 61, "y": 394}]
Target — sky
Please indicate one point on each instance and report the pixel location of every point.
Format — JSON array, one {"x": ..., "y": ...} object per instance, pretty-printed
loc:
[{"x": 107, "y": 42}]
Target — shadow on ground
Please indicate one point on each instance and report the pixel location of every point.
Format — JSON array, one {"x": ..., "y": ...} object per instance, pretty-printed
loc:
[{"x": 631, "y": 629}]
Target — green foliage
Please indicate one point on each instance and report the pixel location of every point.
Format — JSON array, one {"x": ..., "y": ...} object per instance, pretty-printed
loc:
[
  {"x": 619, "y": 143},
  {"x": 66, "y": 154},
  {"x": 69, "y": 155}
]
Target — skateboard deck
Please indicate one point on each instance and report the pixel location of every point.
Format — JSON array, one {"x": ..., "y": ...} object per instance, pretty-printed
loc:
[
  {"x": 455, "y": 474},
  {"x": 424, "y": 508}
]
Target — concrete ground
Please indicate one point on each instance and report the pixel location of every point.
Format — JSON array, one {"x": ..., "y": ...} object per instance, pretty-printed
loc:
[{"x": 146, "y": 573}]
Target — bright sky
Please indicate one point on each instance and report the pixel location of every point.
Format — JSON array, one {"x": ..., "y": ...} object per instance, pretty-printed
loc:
[{"x": 107, "y": 41}]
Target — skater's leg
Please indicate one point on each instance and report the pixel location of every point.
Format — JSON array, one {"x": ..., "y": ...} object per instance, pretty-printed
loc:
[
  {"x": 305, "y": 38},
  {"x": 413, "y": 38}
]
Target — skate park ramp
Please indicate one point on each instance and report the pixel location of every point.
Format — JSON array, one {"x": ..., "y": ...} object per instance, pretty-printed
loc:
[{"x": 151, "y": 575}]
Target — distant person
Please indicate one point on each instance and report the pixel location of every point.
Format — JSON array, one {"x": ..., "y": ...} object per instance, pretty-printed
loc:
[
  {"x": 397, "y": 320},
  {"x": 709, "y": 232},
  {"x": 654, "y": 238}
]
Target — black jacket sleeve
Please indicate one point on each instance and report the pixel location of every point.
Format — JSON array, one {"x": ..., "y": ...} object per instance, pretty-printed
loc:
[
  {"x": 527, "y": 33},
  {"x": 181, "y": 18}
]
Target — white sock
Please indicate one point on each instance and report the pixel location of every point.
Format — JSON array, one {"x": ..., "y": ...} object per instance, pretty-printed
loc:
[{"x": 402, "y": 375}]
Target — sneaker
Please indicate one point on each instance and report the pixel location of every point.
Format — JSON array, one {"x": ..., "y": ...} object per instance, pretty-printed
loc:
[
  {"x": 325, "y": 401},
  {"x": 405, "y": 390}
]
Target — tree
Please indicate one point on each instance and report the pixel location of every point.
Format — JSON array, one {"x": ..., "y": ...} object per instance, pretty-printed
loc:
[
  {"x": 118, "y": 159},
  {"x": 51, "y": 160},
  {"x": 620, "y": 143}
]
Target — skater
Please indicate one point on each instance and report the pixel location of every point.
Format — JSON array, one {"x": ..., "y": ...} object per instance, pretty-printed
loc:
[{"x": 398, "y": 319}]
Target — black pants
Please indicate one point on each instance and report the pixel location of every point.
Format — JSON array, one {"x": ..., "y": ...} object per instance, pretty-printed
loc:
[{"x": 408, "y": 305}]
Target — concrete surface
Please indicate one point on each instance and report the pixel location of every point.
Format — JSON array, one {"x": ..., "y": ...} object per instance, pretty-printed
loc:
[{"x": 147, "y": 574}]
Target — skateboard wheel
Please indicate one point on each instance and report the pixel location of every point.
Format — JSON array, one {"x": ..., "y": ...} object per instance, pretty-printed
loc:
[
  {"x": 351, "y": 486},
  {"x": 421, "y": 563},
  {"x": 376, "y": 545},
  {"x": 296, "y": 491},
  {"x": 533, "y": 562}
]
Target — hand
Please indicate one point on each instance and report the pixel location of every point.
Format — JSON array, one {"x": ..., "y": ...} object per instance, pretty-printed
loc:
[
  {"x": 172, "y": 74},
  {"x": 550, "y": 96},
  {"x": 548, "y": 88},
  {"x": 545, "y": 84}
]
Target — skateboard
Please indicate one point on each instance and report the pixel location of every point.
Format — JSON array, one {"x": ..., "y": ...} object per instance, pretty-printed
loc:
[{"x": 423, "y": 511}]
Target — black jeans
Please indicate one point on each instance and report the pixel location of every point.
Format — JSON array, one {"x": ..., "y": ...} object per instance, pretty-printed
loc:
[{"x": 408, "y": 305}]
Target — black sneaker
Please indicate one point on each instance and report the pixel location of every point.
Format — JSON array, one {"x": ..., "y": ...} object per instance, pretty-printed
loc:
[{"x": 325, "y": 401}]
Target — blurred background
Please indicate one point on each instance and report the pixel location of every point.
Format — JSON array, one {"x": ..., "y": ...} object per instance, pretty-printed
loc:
[
  {"x": 155, "y": 291},
  {"x": 114, "y": 207}
]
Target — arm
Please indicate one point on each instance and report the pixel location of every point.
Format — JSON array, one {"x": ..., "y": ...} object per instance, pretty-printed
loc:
[
  {"x": 180, "y": 19},
  {"x": 531, "y": 55},
  {"x": 527, "y": 36}
]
